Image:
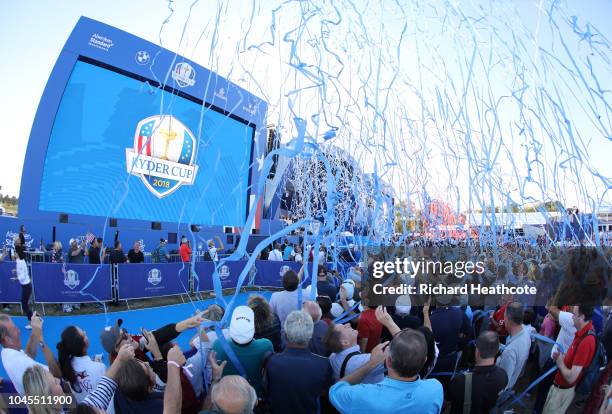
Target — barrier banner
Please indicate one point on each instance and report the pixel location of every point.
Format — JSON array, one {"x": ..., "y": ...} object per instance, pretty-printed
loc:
[
  {"x": 147, "y": 280},
  {"x": 10, "y": 289},
  {"x": 228, "y": 274},
  {"x": 62, "y": 283},
  {"x": 270, "y": 273}
]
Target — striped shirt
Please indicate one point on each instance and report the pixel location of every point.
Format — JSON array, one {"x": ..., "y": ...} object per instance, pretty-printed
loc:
[{"x": 103, "y": 394}]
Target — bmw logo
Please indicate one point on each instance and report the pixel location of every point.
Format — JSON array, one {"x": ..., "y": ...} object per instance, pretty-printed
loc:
[{"x": 142, "y": 57}]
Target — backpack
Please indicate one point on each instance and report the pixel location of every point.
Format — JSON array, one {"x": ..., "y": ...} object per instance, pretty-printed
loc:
[{"x": 591, "y": 373}]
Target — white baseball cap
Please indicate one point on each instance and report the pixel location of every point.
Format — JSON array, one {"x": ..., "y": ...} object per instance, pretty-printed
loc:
[
  {"x": 336, "y": 310},
  {"x": 242, "y": 325},
  {"x": 403, "y": 304}
]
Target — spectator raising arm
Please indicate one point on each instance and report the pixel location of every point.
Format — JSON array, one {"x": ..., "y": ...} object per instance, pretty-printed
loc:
[
  {"x": 221, "y": 245},
  {"x": 36, "y": 338},
  {"x": 426, "y": 320},
  {"x": 385, "y": 319},
  {"x": 217, "y": 374},
  {"x": 105, "y": 390},
  {"x": 173, "y": 394},
  {"x": 189, "y": 323},
  {"x": 377, "y": 357}
]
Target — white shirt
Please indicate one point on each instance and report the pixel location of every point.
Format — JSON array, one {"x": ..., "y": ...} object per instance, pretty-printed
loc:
[
  {"x": 275, "y": 255},
  {"x": 298, "y": 257},
  {"x": 88, "y": 374},
  {"x": 283, "y": 303},
  {"x": 212, "y": 251},
  {"x": 21, "y": 268},
  {"x": 566, "y": 334},
  {"x": 15, "y": 364},
  {"x": 322, "y": 257}
]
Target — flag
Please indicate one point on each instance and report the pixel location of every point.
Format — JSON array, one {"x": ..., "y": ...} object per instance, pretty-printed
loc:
[{"x": 90, "y": 237}]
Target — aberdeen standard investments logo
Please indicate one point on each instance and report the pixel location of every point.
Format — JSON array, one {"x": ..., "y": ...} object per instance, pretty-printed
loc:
[{"x": 163, "y": 154}]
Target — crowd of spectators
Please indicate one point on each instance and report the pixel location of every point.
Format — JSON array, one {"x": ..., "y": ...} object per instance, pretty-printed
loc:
[{"x": 337, "y": 352}]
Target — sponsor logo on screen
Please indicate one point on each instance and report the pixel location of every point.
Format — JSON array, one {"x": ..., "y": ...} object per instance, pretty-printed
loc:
[
  {"x": 71, "y": 279},
  {"x": 155, "y": 277},
  {"x": 142, "y": 57},
  {"x": 100, "y": 42},
  {"x": 250, "y": 107},
  {"x": 163, "y": 155},
  {"x": 221, "y": 94},
  {"x": 184, "y": 74},
  {"x": 224, "y": 272},
  {"x": 10, "y": 236}
]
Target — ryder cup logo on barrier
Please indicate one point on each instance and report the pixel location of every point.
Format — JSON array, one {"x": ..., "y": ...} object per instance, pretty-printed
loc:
[
  {"x": 155, "y": 277},
  {"x": 184, "y": 74},
  {"x": 224, "y": 272},
  {"x": 283, "y": 270},
  {"x": 71, "y": 279},
  {"x": 163, "y": 154}
]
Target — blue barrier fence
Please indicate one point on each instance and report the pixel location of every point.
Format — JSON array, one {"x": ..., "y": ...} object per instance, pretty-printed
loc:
[
  {"x": 147, "y": 280},
  {"x": 10, "y": 290},
  {"x": 71, "y": 283},
  {"x": 81, "y": 283}
]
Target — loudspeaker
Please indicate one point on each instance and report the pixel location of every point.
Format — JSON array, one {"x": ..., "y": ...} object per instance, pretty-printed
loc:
[
  {"x": 112, "y": 222},
  {"x": 272, "y": 144},
  {"x": 229, "y": 239},
  {"x": 156, "y": 225},
  {"x": 63, "y": 218},
  {"x": 195, "y": 228},
  {"x": 171, "y": 238},
  {"x": 228, "y": 229},
  {"x": 53, "y": 234},
  {"x": 254, "y": 231}
]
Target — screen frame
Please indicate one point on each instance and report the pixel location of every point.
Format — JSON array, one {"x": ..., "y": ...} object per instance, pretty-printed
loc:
[{"x": 118, "y": 54}]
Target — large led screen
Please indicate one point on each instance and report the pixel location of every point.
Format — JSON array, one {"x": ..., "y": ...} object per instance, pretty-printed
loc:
[{"x": 122, "y": 148}]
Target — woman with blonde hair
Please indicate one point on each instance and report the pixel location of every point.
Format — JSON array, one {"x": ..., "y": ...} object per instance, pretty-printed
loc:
[
  {"x": 23, "y": 276},
  {"x": 267, "y": 324},
  {"x": 56, "y": 255},
  {"x": 40, "y": 382}
]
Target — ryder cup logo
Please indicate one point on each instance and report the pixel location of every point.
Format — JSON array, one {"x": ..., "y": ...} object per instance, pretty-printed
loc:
[
  {"x": 155, "y": 277},
  {"x": 224, "y": 272},
  {"x": 183, "y": 74},
  {"x": 283, "y": 270},
  {"x": 163, "y": 154},
  {"x": 71, "y": 279}
]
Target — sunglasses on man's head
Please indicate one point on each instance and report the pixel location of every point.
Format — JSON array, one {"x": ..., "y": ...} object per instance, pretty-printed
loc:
[{"x": 122, "y": 336}]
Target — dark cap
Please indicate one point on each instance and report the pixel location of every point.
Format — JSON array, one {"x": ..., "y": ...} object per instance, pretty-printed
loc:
[{"x": 110, "y": 335}]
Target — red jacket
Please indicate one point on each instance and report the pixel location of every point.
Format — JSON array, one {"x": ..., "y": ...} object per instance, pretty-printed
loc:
[{"x": 185, "y": 251}]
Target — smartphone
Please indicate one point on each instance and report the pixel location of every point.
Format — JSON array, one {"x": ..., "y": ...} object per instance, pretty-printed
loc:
[{"x": 145, "y": 335}]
